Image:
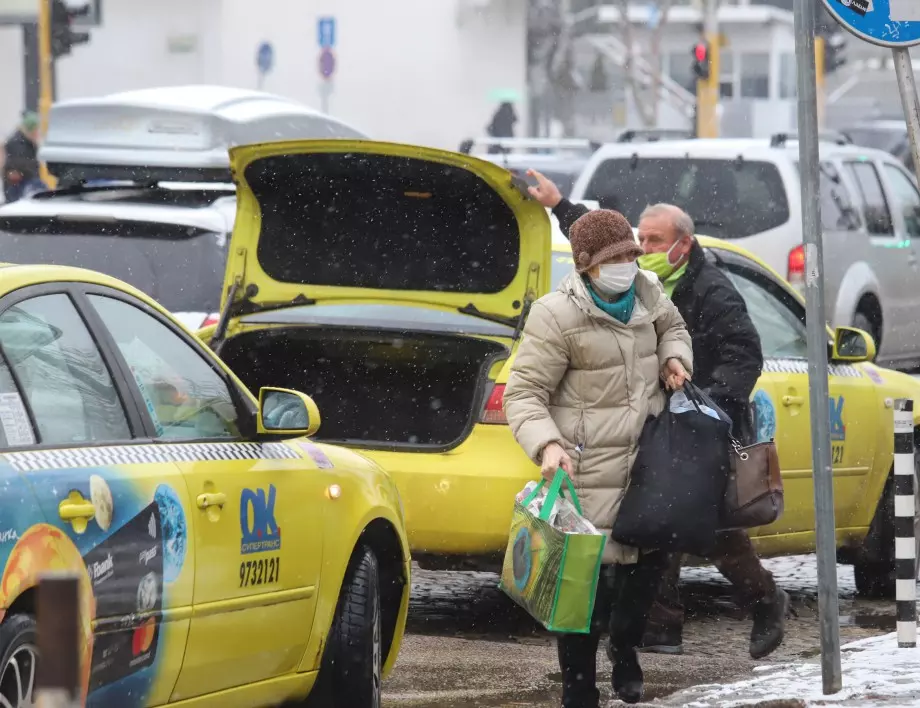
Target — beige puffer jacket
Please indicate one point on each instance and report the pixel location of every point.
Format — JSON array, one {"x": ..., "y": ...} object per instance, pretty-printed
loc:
[{"x": 588, "y": 382}]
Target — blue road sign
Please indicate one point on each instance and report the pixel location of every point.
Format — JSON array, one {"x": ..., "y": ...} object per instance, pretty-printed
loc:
[
  {"x": 326, "y": 63},
  {"x": 265, "y": 57},
  {"x": 325, "y": 32},
  {"x": 887, "y": 23}
]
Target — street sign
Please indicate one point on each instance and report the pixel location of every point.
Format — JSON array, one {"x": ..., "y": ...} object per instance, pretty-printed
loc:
[
  {"x": 325, "y": 32},
  {"x": 265, "y": 58},
  {"x": 326, "y": 63},
  {"x": 887, "y": 23}
]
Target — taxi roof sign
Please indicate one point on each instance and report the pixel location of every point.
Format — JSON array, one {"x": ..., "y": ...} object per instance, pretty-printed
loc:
[{"x": 175, "y": 134}]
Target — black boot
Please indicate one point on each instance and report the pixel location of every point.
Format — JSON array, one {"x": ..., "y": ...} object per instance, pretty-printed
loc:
[
  {"x": 662, "y": 640},
  {"x": 578, "y": 661},
  {"x": 627, "y": 675},
  {"x": 769, "y": 624}
]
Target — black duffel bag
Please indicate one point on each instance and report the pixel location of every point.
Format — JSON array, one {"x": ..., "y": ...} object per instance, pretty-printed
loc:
[{"x": 677, "y": 485}]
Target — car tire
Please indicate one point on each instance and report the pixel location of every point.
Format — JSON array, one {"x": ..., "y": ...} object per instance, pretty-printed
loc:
[
  {"x": 862, "y": 321},
  {"x": 874, "y": 572},
  {"x": 351, "y": 672},
  {"x": 18, "y": 661}
]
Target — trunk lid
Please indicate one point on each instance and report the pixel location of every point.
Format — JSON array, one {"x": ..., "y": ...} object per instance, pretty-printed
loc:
[{"x": 354, "y": 220}]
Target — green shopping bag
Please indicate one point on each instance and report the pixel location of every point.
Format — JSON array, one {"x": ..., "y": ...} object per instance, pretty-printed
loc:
[{"x": 552, "y": 574}]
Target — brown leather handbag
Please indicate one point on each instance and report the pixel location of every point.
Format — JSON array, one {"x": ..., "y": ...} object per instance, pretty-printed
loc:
[{"x": 754, "y": 493}]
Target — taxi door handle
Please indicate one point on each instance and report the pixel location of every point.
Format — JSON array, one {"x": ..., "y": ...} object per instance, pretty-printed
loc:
[
  {"x": 70, "y": 510},
  {"x": 213, "y": 499},
  {"x": 793, "y": 401}
]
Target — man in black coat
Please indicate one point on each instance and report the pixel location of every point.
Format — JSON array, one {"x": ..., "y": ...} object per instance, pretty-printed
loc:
[
  {"x": 727, "y": 361},
  {"x": 20, "y": 165}
]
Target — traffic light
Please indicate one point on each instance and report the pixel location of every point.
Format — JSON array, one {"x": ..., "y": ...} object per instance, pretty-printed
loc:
[
  {"x": 63, "y": 37},
  {"x": 701, "y": 60},
  {"x": 835, "y": 44}
]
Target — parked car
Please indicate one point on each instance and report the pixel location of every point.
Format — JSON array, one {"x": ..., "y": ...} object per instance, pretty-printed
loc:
[
  {"x": 748, "y": 192},
  {"x": 861, "y": 421},
  {"x": 404, "y": 333},
  {"x": 133, "y": 457},
  {"x": 123, "y": 205}
]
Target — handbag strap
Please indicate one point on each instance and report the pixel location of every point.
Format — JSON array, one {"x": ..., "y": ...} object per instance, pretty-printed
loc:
[{"x": 553, "y": 493}]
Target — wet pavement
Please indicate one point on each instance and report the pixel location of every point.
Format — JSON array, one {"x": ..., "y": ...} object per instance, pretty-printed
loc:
[{"x": 468, "y": 646}]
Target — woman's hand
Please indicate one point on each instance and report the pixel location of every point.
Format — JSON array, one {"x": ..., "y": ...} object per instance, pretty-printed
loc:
[
  {"x": 674, "y": 374},
  {"x": 554, "y": 457}
]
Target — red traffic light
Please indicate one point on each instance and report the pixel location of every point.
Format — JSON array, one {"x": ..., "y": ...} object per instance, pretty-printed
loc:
[{"x": 700, "y": 51}]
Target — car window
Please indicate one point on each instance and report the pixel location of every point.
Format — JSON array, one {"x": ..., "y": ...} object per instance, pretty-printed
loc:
[
  {"x": 563, "y": 264},
  {"x": 15, "y": 426},
  {"x": 876, "y": 214},
  {"x": 185, "y": 397},
  {"x": 63, "y": 377},
  {"x": 782, "y": 332},
  {"x": 837, "y": 212},
  {"x": 906, "y": 199},
  {"x": 725, "y": 198}
]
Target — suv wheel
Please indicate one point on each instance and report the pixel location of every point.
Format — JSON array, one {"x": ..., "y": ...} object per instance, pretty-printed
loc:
[
  {"x": 874, "y": 571},
  {"x": 352, "y": 668},
  {"x": 18, "y": 661}
]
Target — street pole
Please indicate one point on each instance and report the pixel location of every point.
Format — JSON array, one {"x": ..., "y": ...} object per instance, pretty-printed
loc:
[
  {"x": 58, "y": 676},
  {"x": 45, "y": 77},
  {"x": 908, "y": 89},
  {"x": 828, "y": 610},
  {"x": 707, "y": 92}
]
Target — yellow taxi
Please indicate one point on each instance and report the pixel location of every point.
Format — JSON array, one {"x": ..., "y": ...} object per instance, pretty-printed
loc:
[
  {"x": 391, "y": 282},
  {"x": 133, "y": 457},
  {"x": 861, "y": 421}
]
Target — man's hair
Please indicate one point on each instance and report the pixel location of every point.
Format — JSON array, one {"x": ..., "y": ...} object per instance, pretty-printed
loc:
[{"x": 680, "y": 219}]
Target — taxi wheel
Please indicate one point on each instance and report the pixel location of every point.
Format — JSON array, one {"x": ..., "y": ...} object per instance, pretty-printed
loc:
[
  {"x": 18, "y": 661},
  {"x": 875, "y": 571},
  {"x": 351, "y": 673}
]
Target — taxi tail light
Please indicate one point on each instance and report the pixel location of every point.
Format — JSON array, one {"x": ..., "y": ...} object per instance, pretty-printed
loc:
[
  {"x": 494, "y": 412},
  {"x": 796, "y": 266}
]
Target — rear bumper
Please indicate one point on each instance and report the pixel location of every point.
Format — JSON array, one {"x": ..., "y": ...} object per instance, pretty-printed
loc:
[{"x": 460, "y": 502}]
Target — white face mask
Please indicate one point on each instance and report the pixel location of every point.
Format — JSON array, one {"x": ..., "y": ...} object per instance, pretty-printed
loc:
[{"x": 616, "y": 278}]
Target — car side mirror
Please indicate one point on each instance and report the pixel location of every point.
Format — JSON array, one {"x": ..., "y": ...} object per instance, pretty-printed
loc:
[
  {"x": 851, "y": 344},
  {"x": 286, "y": 413}
]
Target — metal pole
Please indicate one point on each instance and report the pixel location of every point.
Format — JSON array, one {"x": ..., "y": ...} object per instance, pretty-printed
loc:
[
  {"x": 707, "y": 92},
  {"x": 905, "y": 542},
  {"x": 59, "y": 641},
  {"x": 908, "y": 89},
  {"x": 826, "y": 541},
  {"x": 45, "y": 78}
]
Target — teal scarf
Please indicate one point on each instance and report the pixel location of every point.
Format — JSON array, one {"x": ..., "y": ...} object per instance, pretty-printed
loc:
[{"x": 620, "y": 309}]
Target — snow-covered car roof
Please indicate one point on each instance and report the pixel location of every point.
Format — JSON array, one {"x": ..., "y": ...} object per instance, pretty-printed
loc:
[{"x": 178, "y": 133}]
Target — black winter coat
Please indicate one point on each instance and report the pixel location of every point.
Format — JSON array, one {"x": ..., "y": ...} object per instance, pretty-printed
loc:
[
  {"x": 727, "y": 358},
  {"x": 22, "y": 156}
]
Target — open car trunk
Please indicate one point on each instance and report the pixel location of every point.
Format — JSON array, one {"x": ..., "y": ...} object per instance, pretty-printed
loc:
[{"x": 374, "y": 389}]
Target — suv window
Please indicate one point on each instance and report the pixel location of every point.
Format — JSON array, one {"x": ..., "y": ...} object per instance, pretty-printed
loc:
[
  {"x": 837, "y": 212},
  {"x": 906, "y": 199},
  {"x": 185, "y": 397},
  {"x": 63, "y": 377},
  {"x": 725, "y": 198},
  {"x": 179, "y": 266},
  {"x": 782, "y": 333},
  {"x": 876, "y": 214}
]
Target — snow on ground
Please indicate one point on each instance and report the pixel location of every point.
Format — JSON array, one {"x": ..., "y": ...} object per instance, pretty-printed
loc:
[
  {"x": 875, "y": 673},
  {"x": 797, "y": 574}
]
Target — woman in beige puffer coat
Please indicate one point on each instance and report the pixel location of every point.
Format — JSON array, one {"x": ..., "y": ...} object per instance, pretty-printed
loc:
[{"x": 587, "y": 376}]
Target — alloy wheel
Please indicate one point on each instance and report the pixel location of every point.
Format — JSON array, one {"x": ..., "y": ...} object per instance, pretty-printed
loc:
[{"x": 17, "y": 680}]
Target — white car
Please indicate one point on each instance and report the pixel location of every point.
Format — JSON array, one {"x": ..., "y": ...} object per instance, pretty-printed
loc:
[{"x": 748, "y": 191}]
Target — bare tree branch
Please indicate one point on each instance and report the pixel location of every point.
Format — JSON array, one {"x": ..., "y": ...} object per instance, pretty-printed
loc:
[{"x": 646, "y": 94}]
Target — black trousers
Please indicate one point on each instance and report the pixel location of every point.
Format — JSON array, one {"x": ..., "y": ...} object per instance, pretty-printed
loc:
[{"x": 624, "y": 597}]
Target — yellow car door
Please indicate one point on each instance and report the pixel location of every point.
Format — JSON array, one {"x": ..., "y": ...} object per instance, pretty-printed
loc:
[
  {"x": 258, "y": 526},
  {"x": 116, "y": 510},
  {"x": 780, "y": 321}
]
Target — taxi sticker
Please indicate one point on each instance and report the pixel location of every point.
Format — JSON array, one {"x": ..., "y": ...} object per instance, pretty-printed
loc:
[
  {"x": 15, "y": 421},
  {"x": 873, "y": 374},
  {"x": 317, "y": 455}
]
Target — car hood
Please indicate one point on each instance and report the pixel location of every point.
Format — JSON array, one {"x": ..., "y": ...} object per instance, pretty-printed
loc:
[{"x": 352, "y": 220}]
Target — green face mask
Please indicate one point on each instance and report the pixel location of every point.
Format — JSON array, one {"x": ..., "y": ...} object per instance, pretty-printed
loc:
[{"x": 658, "y": 263}]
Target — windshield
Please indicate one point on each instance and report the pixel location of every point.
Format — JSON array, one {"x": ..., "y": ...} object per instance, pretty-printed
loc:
[
  {"x": 181, "y": 267},
  {"x": 725, "y": 198},
  {"x": 879, "y": 138}
]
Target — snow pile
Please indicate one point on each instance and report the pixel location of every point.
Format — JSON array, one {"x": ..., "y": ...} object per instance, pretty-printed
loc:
[{"x": 875, "y": 673}]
